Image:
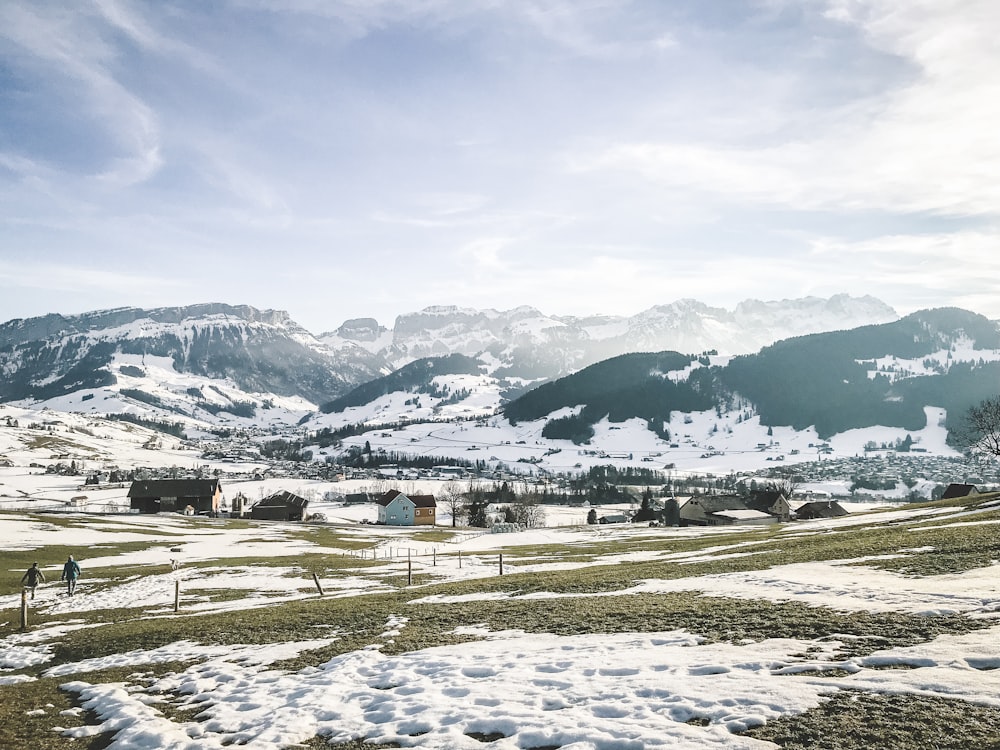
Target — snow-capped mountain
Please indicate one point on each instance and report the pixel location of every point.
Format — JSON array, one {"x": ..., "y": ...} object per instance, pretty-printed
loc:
[
  {"x": 197, "y": 360},
  {"x": 216, "y": 363},
  {"x": 888, "y": 389},
  {"x": 530, "y": 344}
]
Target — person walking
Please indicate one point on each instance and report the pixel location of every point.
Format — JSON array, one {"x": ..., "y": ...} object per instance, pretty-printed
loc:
[
  {"x": 32, "y": 578},
  {"x": 71, "y": 571}
]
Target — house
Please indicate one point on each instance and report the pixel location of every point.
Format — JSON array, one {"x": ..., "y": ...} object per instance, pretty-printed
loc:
[
  {"x": 772, "y": 502},
  {"x": 820, "y": 509},
  {"x": 174, "y": 495},
  {"x": 398, "y": 509},
  {"x": 721, "y": 510},
  {"x": 954, "y": 490},
  {"x": 613, "y": 518},
  {"x": 281, "y": 506}
]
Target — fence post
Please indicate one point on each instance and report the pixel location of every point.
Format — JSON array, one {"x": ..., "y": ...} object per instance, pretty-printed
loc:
[
  {"x": 501, "y": 563},
  {"x": 409, "y": 572},
  {"x": 460, "y": 559},
  {"x": 318, "y": 586},
  {"x": 435, "y": 557},
  {"x": 24, "y": 609},
  {"x": 177, "y": 596}
]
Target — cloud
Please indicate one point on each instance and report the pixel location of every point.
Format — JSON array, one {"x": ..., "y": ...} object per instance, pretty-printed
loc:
[
  {"x": 925, "y": 145},
  {"x": 81, "y": 278},
  {"x": 70, "y": 47},
  {"x": 917, "y": 271},
  {"x": 484, "y": 254}
]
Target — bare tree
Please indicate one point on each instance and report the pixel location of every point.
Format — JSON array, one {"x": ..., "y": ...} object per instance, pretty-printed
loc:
[
  {"x": 527, "y": 511},
  {"x": 980, "y": 431},
  {"x": 786, "y": 486},
  {"x": 450, "y": 498}
]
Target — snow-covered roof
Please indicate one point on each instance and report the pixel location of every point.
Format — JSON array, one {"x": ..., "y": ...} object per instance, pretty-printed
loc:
[{"x": 742, "y": 515}]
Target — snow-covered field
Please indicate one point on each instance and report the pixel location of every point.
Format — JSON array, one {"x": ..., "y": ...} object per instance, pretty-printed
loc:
[{"x": 508, "y": 687}]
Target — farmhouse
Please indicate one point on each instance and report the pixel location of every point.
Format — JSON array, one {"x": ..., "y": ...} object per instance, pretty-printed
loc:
[
  {"x": 281, "y": 506},
  {"x": 721, "y": 510},
  {"x": 772, "y": 502},
  {"x": 397, "y": 509},
  {"x": 174, "y": 495}
]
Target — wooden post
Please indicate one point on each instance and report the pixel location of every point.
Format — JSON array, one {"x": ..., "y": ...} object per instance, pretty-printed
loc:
[
  {"x": 318, "y": 586},
  {"x": 501, "y": 563},
  {"x": 177, "y": 596},
  {"x": 409, "y": 572},
  {"x": 24, "y": 609},
  {"x": 435, "y": 553},
  {"x": 460, "y": 559}
]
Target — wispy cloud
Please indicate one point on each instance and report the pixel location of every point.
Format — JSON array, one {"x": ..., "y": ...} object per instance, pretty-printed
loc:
[
  {"x": 74, "y": 278},
  {"x": 926, "y": 146},
  {"x": 69, "y": 44}
]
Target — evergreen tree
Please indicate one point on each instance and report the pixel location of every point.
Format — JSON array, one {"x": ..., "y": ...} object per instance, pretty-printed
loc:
[
  {"x": 646, "y": 512},
  {"x": 476, "y": 512}
]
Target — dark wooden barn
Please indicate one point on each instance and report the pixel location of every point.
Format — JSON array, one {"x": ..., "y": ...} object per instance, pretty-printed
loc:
[
  {"x": 820, "y": 509},
  {"x": 281, "y": 506},
  {"x": 174, "y": 495}
]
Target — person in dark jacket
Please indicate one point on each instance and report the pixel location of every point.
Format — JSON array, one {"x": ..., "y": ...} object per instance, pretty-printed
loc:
[
  {"x": 71, "y": 571},
  {"x": 32, "y": 578}
]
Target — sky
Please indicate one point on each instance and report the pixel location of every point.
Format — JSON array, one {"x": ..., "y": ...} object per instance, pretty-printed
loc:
[{"x": 368, "y": 158}]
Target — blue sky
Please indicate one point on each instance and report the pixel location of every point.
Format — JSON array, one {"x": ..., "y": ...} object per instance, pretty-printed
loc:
[{"x": 373, "y": 157}]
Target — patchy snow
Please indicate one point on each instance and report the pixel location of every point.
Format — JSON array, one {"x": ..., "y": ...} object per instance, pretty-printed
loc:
[
  {"x": 626, "y": 690},
  {"x": 590, "y": 691},
  {"x": 939, "y": 362}
]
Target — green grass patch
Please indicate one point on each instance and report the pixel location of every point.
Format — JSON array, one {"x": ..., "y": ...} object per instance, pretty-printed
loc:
[
  {"x": 331, "y": 537},
  {"x": 19, "y": 731},
  {"x": 434, "y": 536},
  {"x": 861, "y": 721}
]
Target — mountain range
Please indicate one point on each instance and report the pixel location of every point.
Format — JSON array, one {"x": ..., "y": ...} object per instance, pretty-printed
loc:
[
  {"x": 212, "y": 359},
  {"x": 525, "y": 343},
  {"x": 209, "y": 366}
]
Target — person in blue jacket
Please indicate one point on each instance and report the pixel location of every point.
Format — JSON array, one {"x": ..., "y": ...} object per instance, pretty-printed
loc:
[{"x": 71, "y": 571}]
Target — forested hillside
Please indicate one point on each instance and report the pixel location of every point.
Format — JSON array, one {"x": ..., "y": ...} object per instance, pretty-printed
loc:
[
  {"x": 874, "y": 375},
  {"x": 414, "y": 377}
]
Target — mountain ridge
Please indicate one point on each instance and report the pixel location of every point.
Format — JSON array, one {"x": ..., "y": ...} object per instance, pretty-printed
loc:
[
  {"x": 214, "y": 362},
  {"x": 532, "y": 344}
]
